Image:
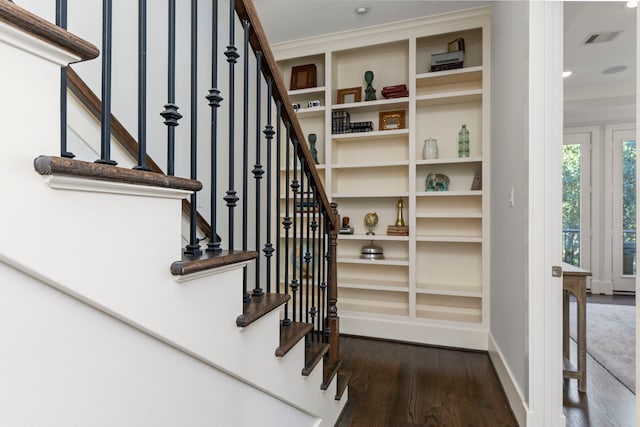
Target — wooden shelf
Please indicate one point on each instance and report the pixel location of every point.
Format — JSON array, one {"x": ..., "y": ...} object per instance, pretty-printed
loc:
[
  {"x": 450, "y": 161},
  {"x": 449, "y": 215},
  {"x": 307, "y": 91},
  {"x": 311, "y": 112},
  {"x": 375, "y": 134},
  {"x": 369, "y": 165},
  {"x": 450, "y": 290},
  {"x": 376, "y": 285},
  {"x": 448, "y": 193},
  {"x": 440, "y": 78},
  {"x": 449, "y": 239},
  {"x": 387, "y": 261},
  {"x": 377, "y": 105},
  {"x": 375, "y": 237},
  {"x": 361, "y": 195},
  {"x": 472, "y": 95}
]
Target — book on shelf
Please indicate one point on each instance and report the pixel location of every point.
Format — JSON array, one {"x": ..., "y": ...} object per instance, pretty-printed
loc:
[
  {"x": 397, "y": 91},
  {"x": 394, "y": 230},
  {"x": 340, "y": 121}
]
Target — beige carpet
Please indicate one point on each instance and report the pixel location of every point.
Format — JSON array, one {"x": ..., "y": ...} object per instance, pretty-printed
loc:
[{"x": 611, "y": 339}]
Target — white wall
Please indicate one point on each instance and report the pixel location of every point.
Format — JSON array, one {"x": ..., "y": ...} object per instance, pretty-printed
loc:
[
  {"x": 509, "y": 173},
  {"x": 65, "y": 363}
]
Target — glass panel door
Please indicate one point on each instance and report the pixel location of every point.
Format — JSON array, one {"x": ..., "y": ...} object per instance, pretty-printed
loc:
[
  {"x": 624, "y": 211},
  {"x": 576, "y": 196}
]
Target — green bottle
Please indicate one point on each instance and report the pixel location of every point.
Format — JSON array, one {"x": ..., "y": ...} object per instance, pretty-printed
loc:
[{"x": 463, "y": 142}]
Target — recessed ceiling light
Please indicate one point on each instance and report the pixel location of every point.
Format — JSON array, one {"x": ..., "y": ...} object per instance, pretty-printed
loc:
[
  {"x": 566, "y": 73},
  {"x": 615, "y": 69},
  {"x": 361, "y": 10},
  {"x": 632, "y": 3}
]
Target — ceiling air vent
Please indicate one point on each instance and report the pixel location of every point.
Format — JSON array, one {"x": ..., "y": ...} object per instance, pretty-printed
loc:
[{"x": 601, "y": 37}]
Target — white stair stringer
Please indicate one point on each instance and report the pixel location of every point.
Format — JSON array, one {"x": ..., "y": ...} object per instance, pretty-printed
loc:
[{"x": 111, "y": 247}]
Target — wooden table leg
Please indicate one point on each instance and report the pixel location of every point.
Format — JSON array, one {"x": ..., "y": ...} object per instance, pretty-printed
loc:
[
  {"x": 565, "y": 324},
  {"x": 581, "y": 297}
]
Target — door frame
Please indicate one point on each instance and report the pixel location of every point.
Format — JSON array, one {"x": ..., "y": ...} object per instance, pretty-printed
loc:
[{"x": 545, "y": 222}]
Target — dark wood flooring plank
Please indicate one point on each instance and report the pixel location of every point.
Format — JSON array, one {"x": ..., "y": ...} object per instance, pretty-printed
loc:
[
  {"x": 607, "y": 401},
  {"x": 399, "y": 384}
]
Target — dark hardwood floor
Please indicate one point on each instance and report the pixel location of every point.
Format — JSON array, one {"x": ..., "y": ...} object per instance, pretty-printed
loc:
[
  {"x": 607, "y": 401},
  {"x": 406, "y": 385}
]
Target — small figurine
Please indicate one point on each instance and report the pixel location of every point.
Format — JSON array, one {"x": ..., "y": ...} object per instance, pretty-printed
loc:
[
  {"x": 312, "y": 147},
  {"x": 369, "y": 92},
  {"x": 437, "y": 182},
  {"x": 346, "y": 228}
]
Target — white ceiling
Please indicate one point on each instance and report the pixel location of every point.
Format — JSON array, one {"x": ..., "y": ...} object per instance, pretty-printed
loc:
[{"x": 589, "y": 94}]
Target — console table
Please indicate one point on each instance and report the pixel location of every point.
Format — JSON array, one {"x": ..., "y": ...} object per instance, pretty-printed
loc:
[{"x": 574, "y": 280}]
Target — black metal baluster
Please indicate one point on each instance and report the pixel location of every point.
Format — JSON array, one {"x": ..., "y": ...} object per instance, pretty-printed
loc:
[
  {"x": 315, "y": 265},
  {"x": 214, "y": 99},
  {"x": 286, "y": 222},
  {"x": 303, "y": 246},
  {"x": 193, "y": 248},
  {"x": 258, "y": 171},
  {"x": 105, "y": 119},
  {"x": 323, "y": 287},
  {"x": 295, "y": 189},
  {"x": 231, "y": 197},
  {"x": 170, "y": 113},
  {"x": 269, "y": 132},
  {"x": 308, "y": 255},
  {"x": 245, "y": 158},
  {"x": 61, "y": 21},
  {"x": 142, "y": 86}
]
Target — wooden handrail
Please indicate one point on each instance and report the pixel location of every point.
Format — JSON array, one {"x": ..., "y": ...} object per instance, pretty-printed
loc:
[
  {"x": 247, "y": 12},
  {"x": 20, "y": 18}
]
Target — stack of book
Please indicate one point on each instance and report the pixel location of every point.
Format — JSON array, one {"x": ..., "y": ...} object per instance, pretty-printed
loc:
[
  {"x": 360, "y": 127},
  {"x": 397, "y": 91},
  {"x": 340, "y": 121}
]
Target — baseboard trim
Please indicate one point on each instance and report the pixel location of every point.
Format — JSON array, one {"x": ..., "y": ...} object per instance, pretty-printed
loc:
[
  {"x": 473, "y": 338},
  {"x": 511, "y": 389},
  {"x": 602, "y": 287}
]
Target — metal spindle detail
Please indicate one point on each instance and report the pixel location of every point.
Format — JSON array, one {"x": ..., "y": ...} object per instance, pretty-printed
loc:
[
  {"x": 214, "y": 99},
  {"x": 245, "y": 158},
  {"x": 303, "y": 248},
  {"x": 231, "y": 197},
  {"x": 313, "y": 311},
  {"x": 193, "y": 248},
  {"x": 258, "y": 171},
  {"x": 142, "y": 86},
  {"x": 170, "y": 113},
  {"x": 286, "y": 222},
  {"x": 295, "y": 187},
  {"x": 105, "y": 119},
  {"x": 268, "y": 133},
  {"x": 323, "y": 284},
  {"x": 278, "y": 192},
  {"x": 61, "y": 21}
]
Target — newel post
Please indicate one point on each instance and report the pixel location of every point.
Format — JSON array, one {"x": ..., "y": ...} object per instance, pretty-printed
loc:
[{"x": 333, "y": 320}]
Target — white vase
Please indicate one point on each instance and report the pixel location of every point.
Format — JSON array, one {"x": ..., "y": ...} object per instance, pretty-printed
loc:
[{"x": 430, "y": 149}]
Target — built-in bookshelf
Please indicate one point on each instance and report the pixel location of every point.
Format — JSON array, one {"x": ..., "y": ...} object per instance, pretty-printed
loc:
[{"x": 436, "y": 278}]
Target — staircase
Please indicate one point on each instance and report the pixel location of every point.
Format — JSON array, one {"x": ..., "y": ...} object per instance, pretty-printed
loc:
[{"x": 105, "y": 318}]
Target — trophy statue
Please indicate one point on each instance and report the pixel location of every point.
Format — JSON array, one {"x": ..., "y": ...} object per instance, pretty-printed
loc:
[{"x": 400, "y": 220}]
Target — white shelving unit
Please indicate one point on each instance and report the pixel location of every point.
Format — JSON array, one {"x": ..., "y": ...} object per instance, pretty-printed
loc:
[{"x": 433, "y": 284}]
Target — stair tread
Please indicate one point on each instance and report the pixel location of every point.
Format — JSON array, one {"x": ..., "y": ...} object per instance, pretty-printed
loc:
[
  {"x": 313, "y": 354},
  {"x": 210, "y": 260},
  {"x": 329, "y": 371},
  {"x": 343, "y": 381},
  {"x": 290, "y": 335},
  {"x": 259, "y": 306}
]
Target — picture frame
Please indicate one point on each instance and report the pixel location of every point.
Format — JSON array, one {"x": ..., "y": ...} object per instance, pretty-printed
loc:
[
  {"x": 303, "y": 77},
  {"x": 476, "y": 184},
  {"x": 391, "y": 120},
  {"x": 456, "y": 45},
  {"x": 349, "y": 95}
]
